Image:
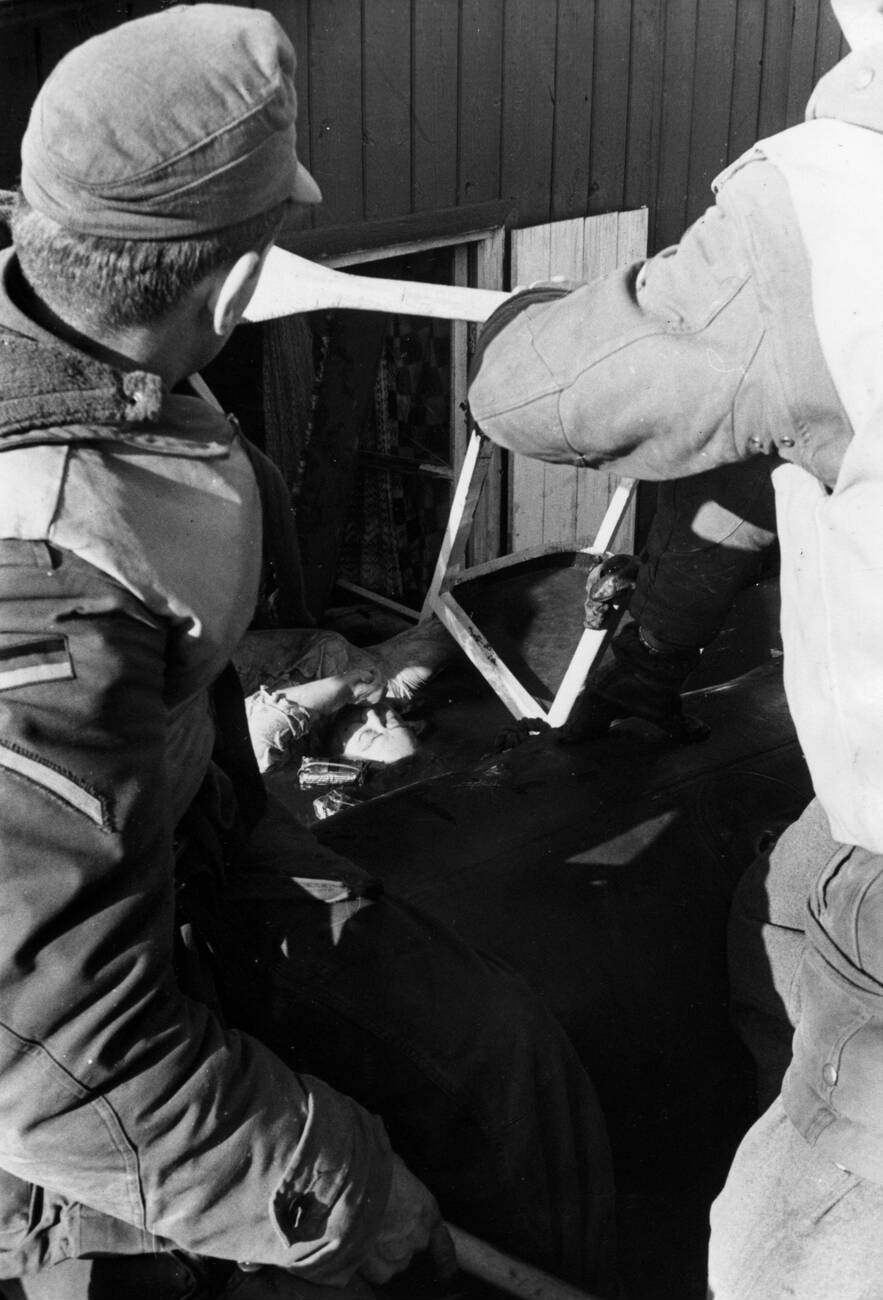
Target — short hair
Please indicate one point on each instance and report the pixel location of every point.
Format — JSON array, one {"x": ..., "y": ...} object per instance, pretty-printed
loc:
[{"x": 114, "y": 283}]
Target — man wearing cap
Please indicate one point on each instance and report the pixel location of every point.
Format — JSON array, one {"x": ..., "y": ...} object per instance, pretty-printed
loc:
[
  {"x": 761, "y": 333},
  {"x": 156, "y": 909}
]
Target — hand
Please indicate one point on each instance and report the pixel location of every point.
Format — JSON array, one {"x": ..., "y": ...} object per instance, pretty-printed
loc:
[
  {"x": 609, "y": 586},
  {"x": 367, "y": 685},
  {"x": 326, "y": 695},
  {"x": 412, "y": 1223}
]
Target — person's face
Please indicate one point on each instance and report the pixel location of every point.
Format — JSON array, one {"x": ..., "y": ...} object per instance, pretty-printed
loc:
[{"x": 378, "y": 735}]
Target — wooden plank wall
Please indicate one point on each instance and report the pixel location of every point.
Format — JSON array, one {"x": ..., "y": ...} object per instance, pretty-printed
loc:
[
  {"x": 567, "y": 107},
  {"x": 557, "y": 504}
]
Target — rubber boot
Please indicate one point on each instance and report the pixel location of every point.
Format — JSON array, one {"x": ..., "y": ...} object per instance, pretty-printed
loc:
[{"x": 641, "y": 682}]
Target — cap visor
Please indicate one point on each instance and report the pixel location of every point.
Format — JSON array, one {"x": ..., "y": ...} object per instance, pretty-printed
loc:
[{"x": 305, "y": 188}]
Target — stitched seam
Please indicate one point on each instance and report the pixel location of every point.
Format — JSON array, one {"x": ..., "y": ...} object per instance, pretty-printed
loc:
[
  {"x": 681, "y": 332},
  {"x": 102, "y": 1109},
  {"x": 58, "y": 784},
  {"x": 740, "y": 451},
  {"x": 101, "y": 187},
  {"x": 635, "y": 336}
]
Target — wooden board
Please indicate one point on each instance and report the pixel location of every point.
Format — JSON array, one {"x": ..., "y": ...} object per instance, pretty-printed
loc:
[
  {"x": 387, "y": 109},
  {"x": 487, "y": 540},
  {"x": 801, "y": 72},
  {"x": 562, "y": 107},
  {"x": 528, "y": 109},
  {"x": 336, "y": 126},
  {"x": 746, "y": 76},
  {"x": 434, "y": 124},
  {"x": 610, "y": 104},
  {"x": 293, "y": 16},
  {"x": 556, "y": 503},
  {"x": 712, "y": 88},
  {"x": 574, "y": 76},
  {"x": 645, "y": 103},
  {"x": 480, "y": 99},
  {"x": 773, "y": 109},
  {"x": 676, "y": 122},
  {"x": 19, "y": 80}
]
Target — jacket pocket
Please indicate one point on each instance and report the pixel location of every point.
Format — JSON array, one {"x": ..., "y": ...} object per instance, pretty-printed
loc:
[
  {"x": 58, "y": 784},
  {"x": 838, "y": 1046}
]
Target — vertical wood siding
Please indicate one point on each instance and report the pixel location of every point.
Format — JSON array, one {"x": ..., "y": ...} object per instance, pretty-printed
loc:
[
  {"x": 567, "y": 107},
  {"x": 557, "y": 503}
]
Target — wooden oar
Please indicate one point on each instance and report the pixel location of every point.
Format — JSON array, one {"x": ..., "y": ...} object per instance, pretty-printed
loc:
[
  {"x": 291, "y": 284},
  {"x": 507, "y": 1274}
]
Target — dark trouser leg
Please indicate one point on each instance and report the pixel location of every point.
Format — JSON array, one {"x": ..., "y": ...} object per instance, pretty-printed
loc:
[
  {"x": 481, "y": 1091},
  {"x": 705, "y": 544}
]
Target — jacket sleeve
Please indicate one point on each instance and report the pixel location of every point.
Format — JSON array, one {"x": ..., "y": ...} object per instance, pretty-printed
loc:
[
  {"x": 115, "y": 1089},
  {"x": 658, "y": 370}
]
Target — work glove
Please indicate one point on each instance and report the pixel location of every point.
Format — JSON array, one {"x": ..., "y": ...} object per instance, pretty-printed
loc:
[
  {"x": 609, "y": 587},
  {"x": 412, "y": 1224}
]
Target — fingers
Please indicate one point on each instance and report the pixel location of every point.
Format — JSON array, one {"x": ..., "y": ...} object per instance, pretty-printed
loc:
[
  {"x": 367, "y": 685},
  {"x": 442, "y": 1253},
  {"x": 379, "y": 1268},
  {"x": 412, "y": 1224},
  {"x": 438, "y": 1249}
]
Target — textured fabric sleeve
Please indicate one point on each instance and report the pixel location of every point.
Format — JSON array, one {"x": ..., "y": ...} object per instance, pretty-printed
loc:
[
  {"x": 115, "y": 1089},
  {"x": 276, "y": 724},
  {"x": 658, "y": 370}
]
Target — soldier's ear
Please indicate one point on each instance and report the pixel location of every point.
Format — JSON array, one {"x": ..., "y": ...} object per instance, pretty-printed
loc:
[{"x": 232, "y": 291}]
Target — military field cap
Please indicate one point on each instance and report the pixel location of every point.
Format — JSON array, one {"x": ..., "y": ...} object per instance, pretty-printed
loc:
[{"x": 167, "y": 127}]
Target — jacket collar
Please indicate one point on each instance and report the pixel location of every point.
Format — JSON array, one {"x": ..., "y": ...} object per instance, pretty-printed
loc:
[
  {"x": 852, "y": 91},
  {"x": 51, "y": 391}
]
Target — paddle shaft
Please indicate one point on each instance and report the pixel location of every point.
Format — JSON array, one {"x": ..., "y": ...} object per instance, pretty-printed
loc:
[
  {"x": 507, "y": 1274},
  {"x": 290, "y": 284}
]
